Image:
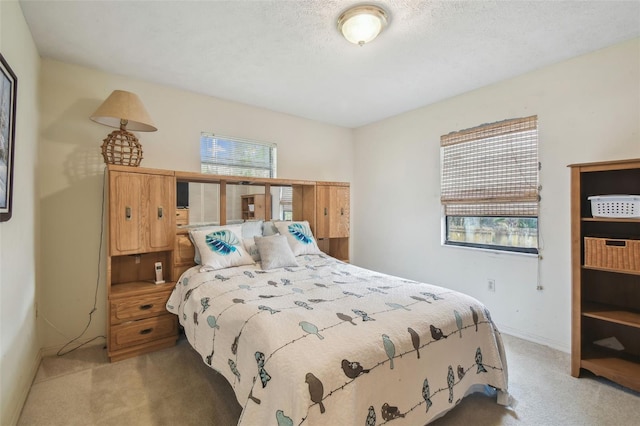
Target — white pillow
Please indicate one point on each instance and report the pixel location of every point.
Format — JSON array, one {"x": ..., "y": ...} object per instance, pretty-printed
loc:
[
  {"x": 221, "y": 248},
  {"x": 196, "y": 256},
  {"x": 269, "y": 229},
  {"x": 299, "y": 237},
  {"x": 252, "y": 229},
  {"x": 251, "y": 248},
  {"x": 275, "y": 252}
]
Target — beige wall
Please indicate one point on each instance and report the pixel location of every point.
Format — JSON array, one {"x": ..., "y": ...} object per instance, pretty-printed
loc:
[
  {"x": 19, "y": 346},
  {"x": 71, "y": 173},
  {"x": 588, "y": 110}
]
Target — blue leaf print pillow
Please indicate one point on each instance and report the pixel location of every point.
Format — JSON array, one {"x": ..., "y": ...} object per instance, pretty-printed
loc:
[
  {"x": 220, "y": 248},
  {"x": 299, "y": 237},
  {"x": 301, "y": 232},
  {"x": 222, "y": 242}
]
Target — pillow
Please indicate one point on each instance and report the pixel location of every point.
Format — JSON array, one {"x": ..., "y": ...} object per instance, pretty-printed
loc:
[
  {"x": 269, "y": 229},
  {"x": 299, "y": 237},
  {"x": 251, "y": 229},
  {"x": 251, "y": 248},
  {"x": 221, "y": 248},
  {"x": 196, "y": 256},
  {"x": 275, "y": 252},
  {"x": 235, "y": 228}
]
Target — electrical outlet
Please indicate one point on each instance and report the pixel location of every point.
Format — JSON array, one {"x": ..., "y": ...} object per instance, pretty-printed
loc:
[{"x": 491, "y": 284}]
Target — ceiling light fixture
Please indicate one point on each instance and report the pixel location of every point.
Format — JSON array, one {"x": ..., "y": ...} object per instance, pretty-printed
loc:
[{"x": 361, "y": 24}]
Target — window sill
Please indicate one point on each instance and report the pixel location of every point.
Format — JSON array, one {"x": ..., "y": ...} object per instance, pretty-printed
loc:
[{"x": 492, "y": 251}]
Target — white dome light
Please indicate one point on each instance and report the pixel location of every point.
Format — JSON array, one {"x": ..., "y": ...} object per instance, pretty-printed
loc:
[{"x": 362, "y": 24}]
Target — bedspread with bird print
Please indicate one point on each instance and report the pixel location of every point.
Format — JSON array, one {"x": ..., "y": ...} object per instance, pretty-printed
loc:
[{"x": 329, "y": 343}]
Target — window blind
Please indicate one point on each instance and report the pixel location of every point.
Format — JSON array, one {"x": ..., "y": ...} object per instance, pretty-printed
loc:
[
  {"x": 286, "y": 198},
  {"x": 236, "y": 157},
  {"x": 286, "y": 203},
  {"x": 491, "y": 170}
]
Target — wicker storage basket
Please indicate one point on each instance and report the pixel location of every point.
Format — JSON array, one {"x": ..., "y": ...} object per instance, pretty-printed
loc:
[{"x": 622, "y": 255}]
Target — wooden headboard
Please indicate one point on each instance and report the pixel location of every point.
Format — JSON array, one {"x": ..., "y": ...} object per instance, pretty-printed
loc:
[
  {"x": 325, "y": 205},
  {"x": 183, "y": 253}
]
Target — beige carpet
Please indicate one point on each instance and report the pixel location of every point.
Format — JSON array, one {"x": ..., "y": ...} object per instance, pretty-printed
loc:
[{"x": 174, "y": 387}]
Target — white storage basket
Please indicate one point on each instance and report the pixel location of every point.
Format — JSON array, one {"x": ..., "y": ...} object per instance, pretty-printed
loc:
[{"x": 615, "y": 206}]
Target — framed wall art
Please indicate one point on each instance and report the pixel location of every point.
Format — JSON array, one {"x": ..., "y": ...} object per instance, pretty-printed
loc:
[{"x": 8, "y": 87}]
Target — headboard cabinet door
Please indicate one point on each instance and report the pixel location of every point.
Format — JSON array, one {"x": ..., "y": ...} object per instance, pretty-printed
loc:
[
  {"x": 332, "y": 218},
  {"x": 161, "y": 212},
  {"x": 340, "y": 203},
  {"x": 125, "y": 213},
  {"x": 323, "y": 211},
  {"x": 141, "y": 213}
]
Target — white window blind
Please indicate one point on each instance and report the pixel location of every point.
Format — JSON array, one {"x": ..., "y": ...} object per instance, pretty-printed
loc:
[
  {"x": 223, "y": 155},
  {"x": 491, "y": 170},
  {"x": 286, "y": 198}
]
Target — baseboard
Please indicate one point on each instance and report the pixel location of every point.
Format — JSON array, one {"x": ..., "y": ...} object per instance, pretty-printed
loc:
[
  {"x": 24, "y": 392},
  {"x": 561, "y": 346}
]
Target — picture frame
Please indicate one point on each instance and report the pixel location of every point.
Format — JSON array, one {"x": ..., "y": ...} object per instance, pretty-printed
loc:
[{"x": 8, "y": 95}]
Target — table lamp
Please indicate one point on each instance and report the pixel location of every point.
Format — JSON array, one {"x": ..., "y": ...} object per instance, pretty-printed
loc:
[{"x": 124, "y": 111}]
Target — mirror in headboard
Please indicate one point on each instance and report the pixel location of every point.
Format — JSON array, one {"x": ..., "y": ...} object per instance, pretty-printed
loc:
[
  {"x": 258, "y": 202},
  {"x": 198, "y": 203},
  {"x": 203, "y": 203},
  {"x": 246, "y": 202},
  {"x": 214, "y": 199}
]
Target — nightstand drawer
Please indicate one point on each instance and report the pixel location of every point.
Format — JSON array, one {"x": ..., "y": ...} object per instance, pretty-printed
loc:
[
  {"x": 142, "y": 331},
  {"x": 133, "y": 308}
]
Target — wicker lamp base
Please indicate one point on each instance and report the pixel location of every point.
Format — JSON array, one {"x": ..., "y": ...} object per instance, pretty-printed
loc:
[{"x": 122, "y": 148}]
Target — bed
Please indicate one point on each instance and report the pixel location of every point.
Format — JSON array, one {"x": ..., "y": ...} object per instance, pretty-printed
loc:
[{"x": 308, "y": 339}]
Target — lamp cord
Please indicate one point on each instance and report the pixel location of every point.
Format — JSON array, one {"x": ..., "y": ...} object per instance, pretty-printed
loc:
[{"x": 62, "y": 352}]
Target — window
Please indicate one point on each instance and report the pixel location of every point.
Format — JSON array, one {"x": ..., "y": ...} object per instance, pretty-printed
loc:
[
  {"x": 221, "y": 155},
  {"x": 489, "y": 187}
]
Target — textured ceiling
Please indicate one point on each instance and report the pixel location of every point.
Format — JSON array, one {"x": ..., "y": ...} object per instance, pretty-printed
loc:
[{"x": 288, "y": 56}]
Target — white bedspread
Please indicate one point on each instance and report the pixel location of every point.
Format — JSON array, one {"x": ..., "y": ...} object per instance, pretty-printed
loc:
[{"x": 328, "y": 343}]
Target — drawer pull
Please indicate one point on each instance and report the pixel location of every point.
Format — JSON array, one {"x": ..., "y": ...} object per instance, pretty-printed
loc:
[
  {"x": 342, "y": 212},
  {"x": 127, "y": 213},
  {"x": 145, "y": 307},
  {"x": 160, "y": 212},
  {"x": 325, "y": 211},
  {"x": 146, "y": 331},
  {"x": 616, "y": 243}
]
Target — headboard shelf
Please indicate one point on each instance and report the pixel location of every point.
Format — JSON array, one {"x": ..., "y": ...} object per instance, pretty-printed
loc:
[{"x": 238, "y": 180}]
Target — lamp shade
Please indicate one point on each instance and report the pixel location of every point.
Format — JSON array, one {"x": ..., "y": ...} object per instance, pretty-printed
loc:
[
  {"x": 362, "y": 24},
  {"x": 124, "y": 106}
]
